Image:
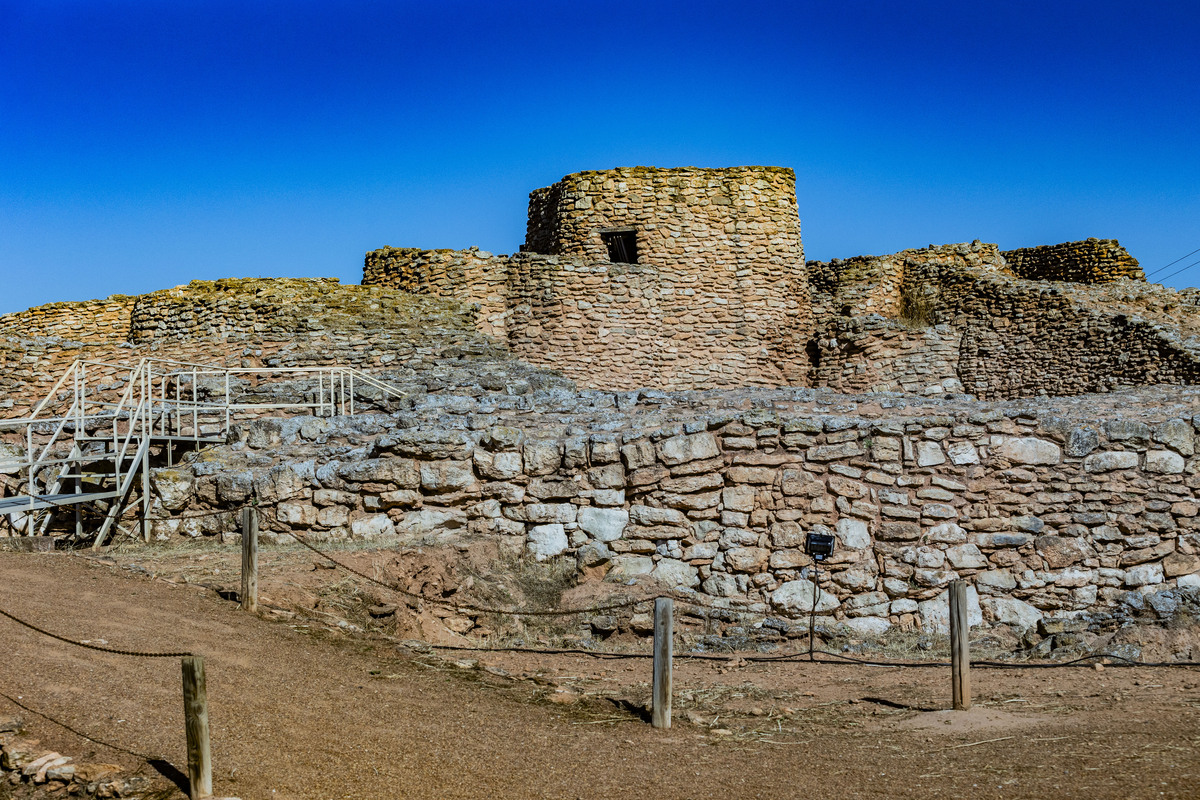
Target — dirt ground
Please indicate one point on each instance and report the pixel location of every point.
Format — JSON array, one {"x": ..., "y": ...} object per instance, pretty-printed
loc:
[{"x": 305, "y": 703}]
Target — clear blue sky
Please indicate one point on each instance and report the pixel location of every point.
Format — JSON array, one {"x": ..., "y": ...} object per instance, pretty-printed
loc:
[{"x": 143, "y": 144}]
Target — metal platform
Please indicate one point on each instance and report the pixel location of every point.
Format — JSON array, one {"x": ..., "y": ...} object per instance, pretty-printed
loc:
[{"x": 19, "y": 503}]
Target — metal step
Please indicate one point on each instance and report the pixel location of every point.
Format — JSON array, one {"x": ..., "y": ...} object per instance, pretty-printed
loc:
[{"x": 9, "y": 505}]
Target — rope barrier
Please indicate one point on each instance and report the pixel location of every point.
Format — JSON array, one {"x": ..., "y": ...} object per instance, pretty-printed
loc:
[{"x": 88, "y": 645}]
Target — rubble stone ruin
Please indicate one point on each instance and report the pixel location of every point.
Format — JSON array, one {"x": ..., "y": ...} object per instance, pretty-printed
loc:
[{"x": 658, "y": 388}]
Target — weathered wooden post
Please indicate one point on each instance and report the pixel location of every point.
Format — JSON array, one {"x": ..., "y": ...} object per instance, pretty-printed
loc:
[
  {"x": 664, "y": 636},
  {"x": 960, "y": 655},
  {"x": 250, "y": 559},
  {"x": 195, "y": 717}
]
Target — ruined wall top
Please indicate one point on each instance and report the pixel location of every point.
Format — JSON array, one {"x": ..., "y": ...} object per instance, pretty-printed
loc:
[
  {"x": 1090, "y": 261},
  {"x": 583, "y": 212}
]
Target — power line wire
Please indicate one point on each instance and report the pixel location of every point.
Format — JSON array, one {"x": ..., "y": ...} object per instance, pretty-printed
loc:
[
  {"x": 1173, "y": 263},
  {"x": 1176, "y": 272}
]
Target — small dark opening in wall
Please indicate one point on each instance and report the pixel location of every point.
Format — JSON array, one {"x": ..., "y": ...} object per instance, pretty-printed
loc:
[{"x": 622, "y": 246}]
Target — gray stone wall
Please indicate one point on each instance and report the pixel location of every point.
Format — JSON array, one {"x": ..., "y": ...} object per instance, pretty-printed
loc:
[
  {"x": 1064, "y": 508},
  {"x": 1090, "y": 261}
]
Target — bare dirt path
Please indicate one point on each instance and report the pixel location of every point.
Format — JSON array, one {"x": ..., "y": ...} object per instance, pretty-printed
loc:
[{"x": 302, "y": 713}]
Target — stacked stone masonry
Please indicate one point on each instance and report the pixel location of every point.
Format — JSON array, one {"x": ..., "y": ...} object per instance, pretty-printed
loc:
[
  {"x": 716, "y": 294},
  {"x": 1089, "y": 261},
  {"x": 1056, "y": 508}
]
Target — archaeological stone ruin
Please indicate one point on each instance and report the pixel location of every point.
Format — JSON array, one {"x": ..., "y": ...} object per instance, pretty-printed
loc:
[{"x": 658, "y": 390}]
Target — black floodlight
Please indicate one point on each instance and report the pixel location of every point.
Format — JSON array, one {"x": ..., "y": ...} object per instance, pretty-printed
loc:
[{"x": 818, "y": 545}]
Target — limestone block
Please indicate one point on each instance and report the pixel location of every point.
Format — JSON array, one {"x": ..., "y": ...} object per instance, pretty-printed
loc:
[
  {"x": 671, "y": 573},
  {"x": 747, "y": 559},
  {"x": 965, "y": 556},
  {"x": 789, "y": 559},
  {"x": 1026, "y": 450},
  {"x": 991, "y": 541},
  {"x": 625, "y": 567},
  {"x": 547, "y": 541},
  {"x": 650, "y": 515},
  {"x": 173, "y": 486},
  {"x": 301, "y": 514},
  {"x": 1144, "y": 575},
  {"x": 795, "y": 598},
  {"x": 934, "y": 577},
  {"x": 834, "y": 452},
  {"x": 1164, "y": 462},
  {"x": 543, "y": 513},
  {"x": 1110, "y": 461},
  {"x": 399, "y": 471},
  {"x": 962, "y": 453},
  {"x": 503, "y": 438},
  {"x": 853, "y": 533},
  {"x": 682, "y": 449},
  {"x": 639, "y": 454},
  {"x": 542, "y": 456},
  {"x": 11, "y": 458},
  {"x": 435, "y": 519},
  {"x": 738, "y": 498},
  {"x": 446, "y": 476},
  {"x": 702, "y": 551},
  {"x": 720, "y": 584},
  {"x": 501, "y": 466},
  {"x": 929, "y": 454},
  {"x": 372, "y": 527},
  {"x": 1061, "y": 551},
  {"x": 1177, "y": 564},
  {"x": 868, "y": 627},
  {"x": 593, "y": 554},
  {"x": 1011, "y": 611},
  {"x": 946, "y": 533},
  {"x": 284, "y": 481},
  {"x": 935, "y": 613},
  {"x": 400, "y": 498},
  {"x": 1075, "y": 577},
  {"x": 857, "y": 578},
  {"x": 604, "y": 524},
  {"x": 996, "y": 580},
  {"x": 1081, "y": 441},
  {"x": 333, "y": 516},
  {"x": 1177, "y": 434},
  {"x": 1189, "y": 581},
  {"x": 787, "y": 534},
  {"x": 938, "y": 511}
]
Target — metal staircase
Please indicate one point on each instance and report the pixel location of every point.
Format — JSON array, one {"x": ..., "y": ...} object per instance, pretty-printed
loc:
[{"x": 90, "y": 441}]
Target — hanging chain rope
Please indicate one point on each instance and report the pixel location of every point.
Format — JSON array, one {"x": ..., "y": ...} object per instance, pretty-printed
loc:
[{"x": 88, "y": 645}]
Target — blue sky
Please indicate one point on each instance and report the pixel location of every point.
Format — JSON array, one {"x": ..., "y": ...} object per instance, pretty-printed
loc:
[{"x": 143, "y": 144}]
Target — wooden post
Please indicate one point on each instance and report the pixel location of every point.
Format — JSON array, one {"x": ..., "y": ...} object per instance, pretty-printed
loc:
[
  {"x": 250, "y": 560},
  {"x": 664, "y": 636},
  {"x": 195, "y": 717},
  {"x": 960, "y": 656}
]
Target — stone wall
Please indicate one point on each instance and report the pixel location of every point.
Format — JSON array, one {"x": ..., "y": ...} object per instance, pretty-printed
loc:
[
  {"x": 1089, "y": 261},
  {"x": 470, "y": 276},
  {"x": 1014, "y": 337},
  {"x": 881, "y": 284},
  {"x": 1083, "y": 506},
  {"x": 875, "y": 354},
  {"x": 425, "y": 344},
  {"x": 718, "y": 295},
  {"x": 1027, "y": 338},
  {"x": 94, "y": 320}
]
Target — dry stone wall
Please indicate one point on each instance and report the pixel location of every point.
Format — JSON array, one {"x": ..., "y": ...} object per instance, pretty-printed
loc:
[
  {"x": 1075, "y": 507},
  {"x": 424, "y": 344},
  {"x": 94, "y": 320},
  {"x": 1089, "y": 261},
  {"x": 998, "y": 335},
  {"x": 716, "y": 296}
]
